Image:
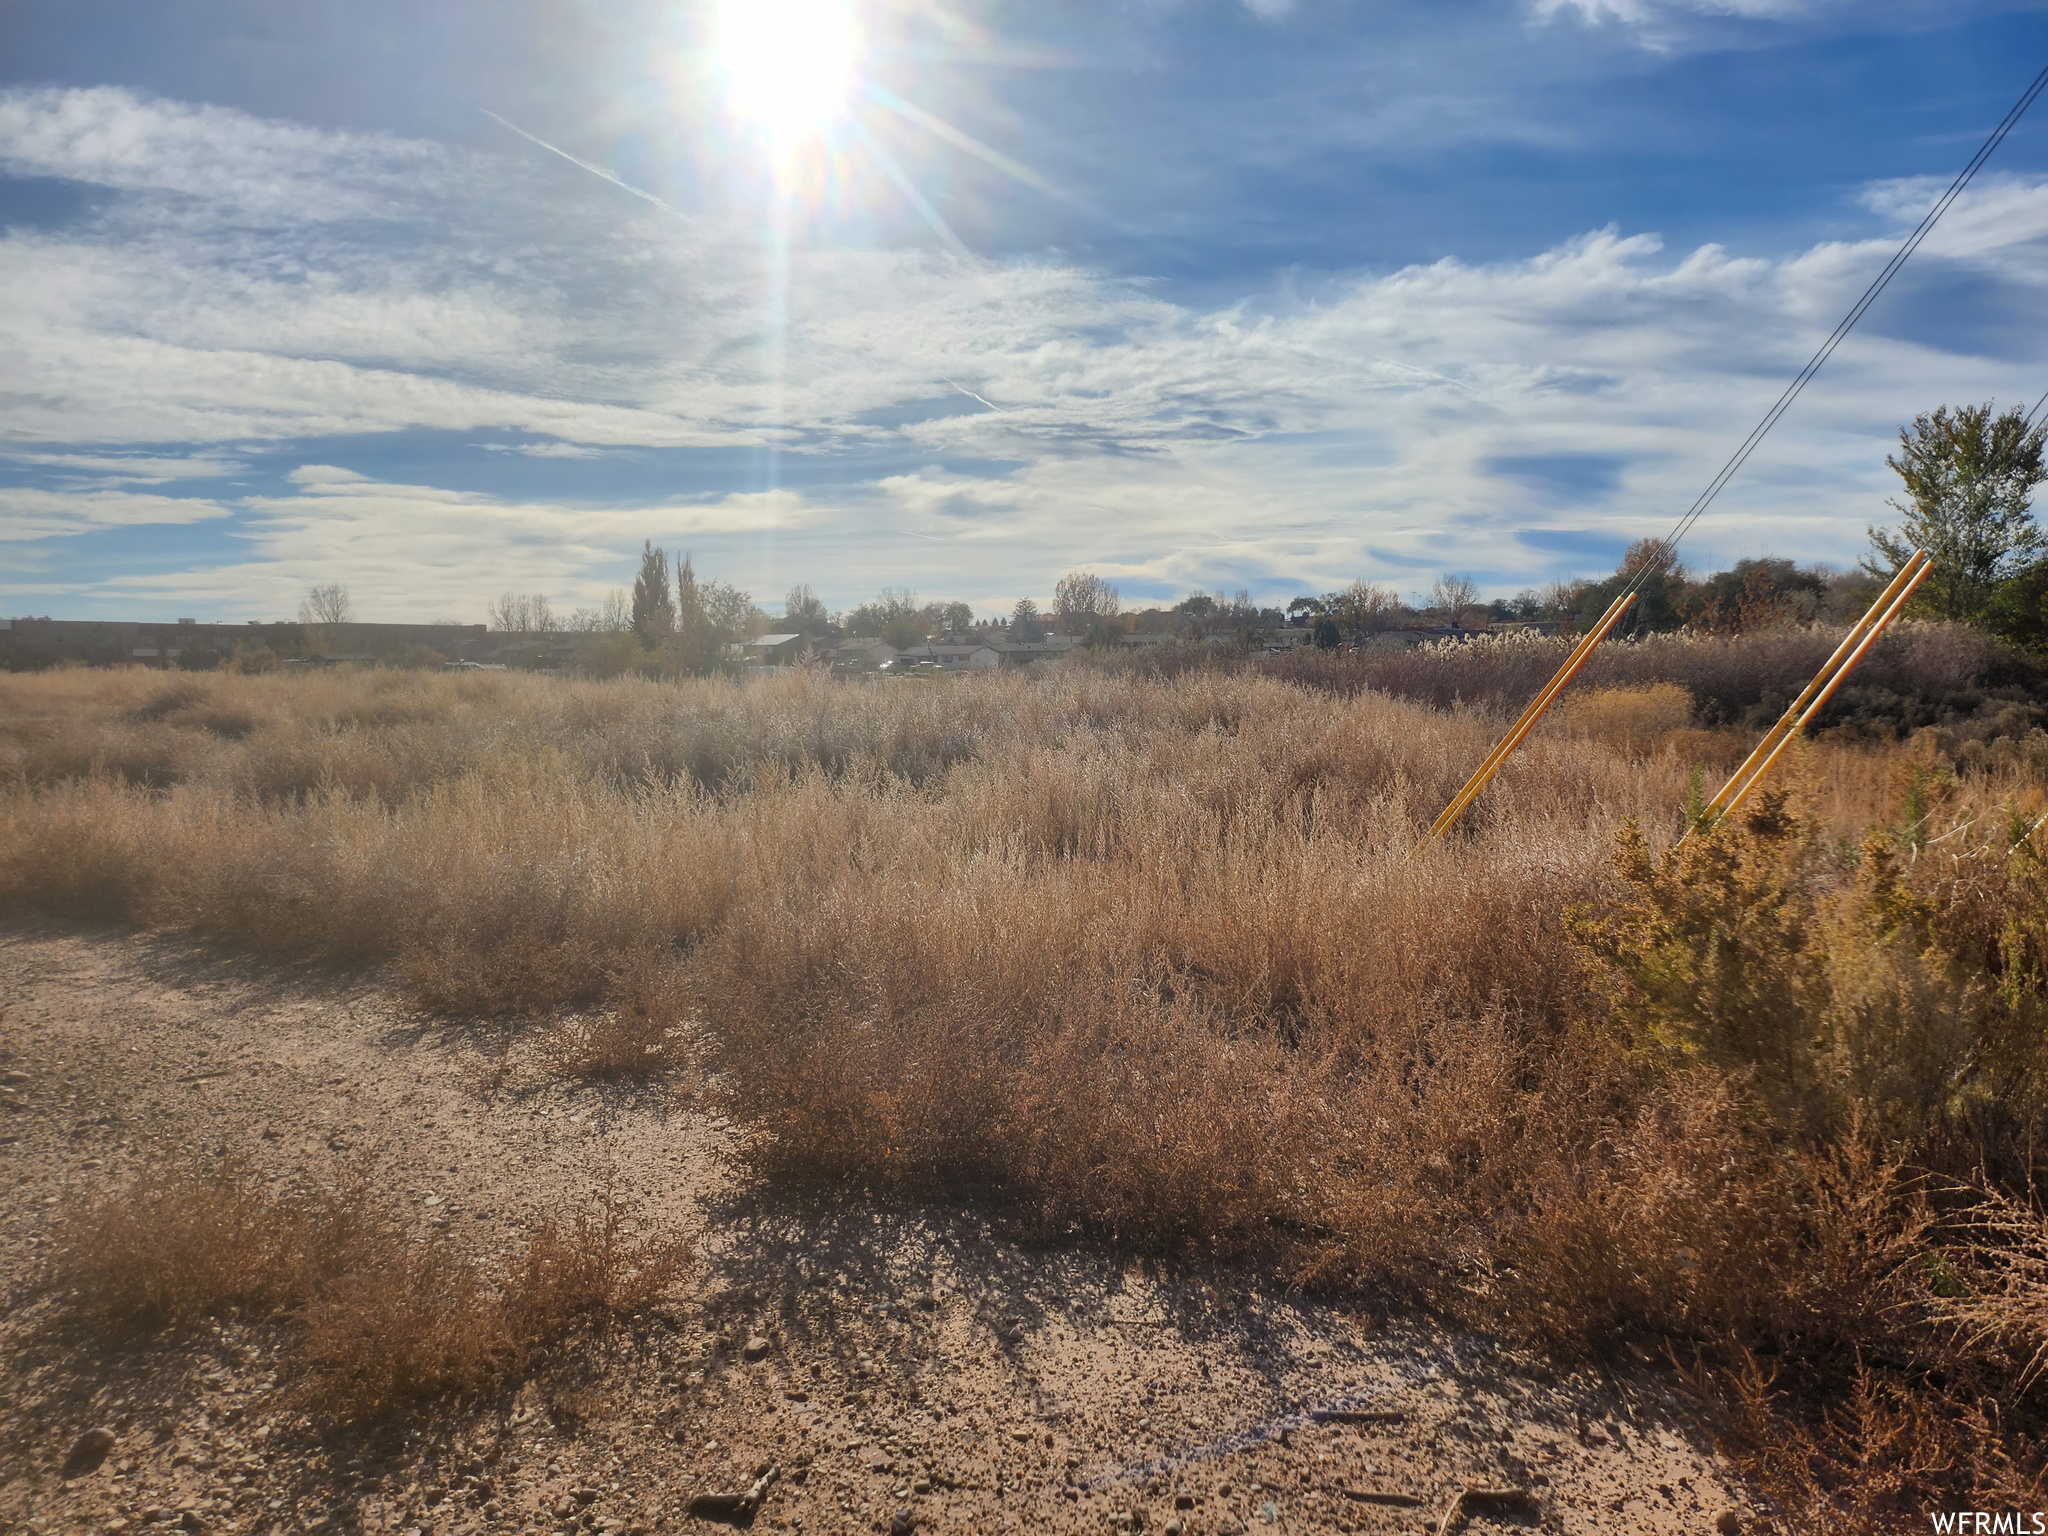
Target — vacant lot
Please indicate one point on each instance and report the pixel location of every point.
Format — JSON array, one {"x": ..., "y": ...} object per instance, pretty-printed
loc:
[{"x": 1140, "y": 967}]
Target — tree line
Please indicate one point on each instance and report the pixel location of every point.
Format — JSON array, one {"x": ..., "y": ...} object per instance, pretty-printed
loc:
[{"x": 1967, "y": 478}]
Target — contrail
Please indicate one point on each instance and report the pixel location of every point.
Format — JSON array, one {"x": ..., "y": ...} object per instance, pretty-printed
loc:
[
  {"x": 970, "y": 394},
  {"x": 595, "y": 170}
]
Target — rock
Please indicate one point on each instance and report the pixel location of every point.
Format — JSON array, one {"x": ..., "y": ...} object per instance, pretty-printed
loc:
[
  {"x": 88, "y": 1452},
  {"x": 1728, "y": 1523},
  {"x": 13, "y": 1079},
  {"x": 739, "y": 1508},
  {"x": 1183, "y": 1501},
  {"x": 902, "y": 1523},
  {"x": 755, "y": 1347},
  {"x": 583, "y": 1495}
]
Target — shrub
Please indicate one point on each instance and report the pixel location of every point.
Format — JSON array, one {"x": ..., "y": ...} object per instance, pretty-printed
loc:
[{"x": 382, "y": 1320}]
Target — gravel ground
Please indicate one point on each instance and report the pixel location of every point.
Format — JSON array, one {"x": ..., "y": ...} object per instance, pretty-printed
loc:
[{"x": 892, "y": 1367}]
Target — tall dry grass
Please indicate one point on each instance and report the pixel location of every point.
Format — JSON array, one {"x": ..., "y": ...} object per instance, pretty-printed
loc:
[
  {"x": 381, "y": 1319},
  {"x": 1147, "y": 956}
]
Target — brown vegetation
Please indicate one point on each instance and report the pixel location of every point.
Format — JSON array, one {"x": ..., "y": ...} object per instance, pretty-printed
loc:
[
  {"x": 1146, "y": 956},
  {"x": 383, "y": 1318}
]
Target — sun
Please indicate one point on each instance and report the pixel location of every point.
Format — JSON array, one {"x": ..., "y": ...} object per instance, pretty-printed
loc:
[{"x": 788, "y": 65}]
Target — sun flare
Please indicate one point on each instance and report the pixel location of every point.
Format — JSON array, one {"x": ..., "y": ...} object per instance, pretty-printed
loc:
[{"x": 788, "y": 64}]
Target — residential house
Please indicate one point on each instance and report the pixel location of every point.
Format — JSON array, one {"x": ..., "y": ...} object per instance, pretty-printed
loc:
[
  {"x": 778, "y": 650},
  {"x": 862, "y": 655},
  {"x": 950, "y": 658}
]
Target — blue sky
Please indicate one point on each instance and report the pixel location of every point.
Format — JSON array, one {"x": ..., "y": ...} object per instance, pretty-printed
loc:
[{"x": 1193, "y": 295}]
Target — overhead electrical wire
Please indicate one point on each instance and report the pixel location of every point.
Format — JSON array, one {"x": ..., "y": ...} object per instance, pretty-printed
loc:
[
  {"x": 1669, "y": 543},
  {"x": 1667, "y": 546}
]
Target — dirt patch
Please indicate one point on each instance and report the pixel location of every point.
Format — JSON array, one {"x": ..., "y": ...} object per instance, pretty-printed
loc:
[{"x": 891, "y": 1363}]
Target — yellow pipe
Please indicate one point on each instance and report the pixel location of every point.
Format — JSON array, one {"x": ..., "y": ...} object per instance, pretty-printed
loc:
[
  {"x": 1828, "y": 692},
  {"x": 1578, "y": 658},
  {"x": 1786, "y": 721},
  {"x": 1535, "y": 706}
]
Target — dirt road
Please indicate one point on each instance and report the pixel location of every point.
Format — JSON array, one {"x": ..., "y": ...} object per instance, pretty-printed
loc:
[{"x": 916, "y": 1367}]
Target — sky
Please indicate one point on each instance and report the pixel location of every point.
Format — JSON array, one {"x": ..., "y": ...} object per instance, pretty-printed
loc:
[{"x": 441, "y": 299}]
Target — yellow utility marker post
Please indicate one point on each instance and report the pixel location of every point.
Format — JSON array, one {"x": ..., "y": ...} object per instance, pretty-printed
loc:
[
  {"x": 1889, "y": 605},
  {"x": 1580, "y": 654}
]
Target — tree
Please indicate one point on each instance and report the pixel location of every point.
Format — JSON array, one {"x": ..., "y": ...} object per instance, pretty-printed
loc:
[
  {"x": 693, "y": 638},
  {"x": 327, "y": 604},
  {"x": 891, "y": 605},
  {"x": 1363, "y": 608},
  {"x": 904, "y": 633},
  {"x": 1025, "y": 628},
  {"x": 613, "y": 615},
  {"x": 1326, "y": 633},
  {"x": 1969, "y": 476},
  {"x": 803, "y": 612},
  {"x": 1451, "y": 595},
  {"x": 1660, "y": 583},
  {"x": 1754, "y": 594},
  {"x": 2018, "y": 610},
  {"x": 654, "y": 611},
  {"x": 952, "y": 617},
  {"x": 1081, "y": 597},
  {"x": 523, "y": 613}
]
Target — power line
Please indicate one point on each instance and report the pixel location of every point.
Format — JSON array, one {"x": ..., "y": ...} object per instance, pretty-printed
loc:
[{"x": 1669, "y": 544}]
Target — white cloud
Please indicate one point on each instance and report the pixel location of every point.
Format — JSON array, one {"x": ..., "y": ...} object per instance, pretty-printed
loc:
[
  {"x": 130, "y": 468},
  {"x": 1296, "y": 438},
  {"x": 406, "y": 550},
  {"x": 213, "y": 155},
  {"x": 30, "y": 513}
]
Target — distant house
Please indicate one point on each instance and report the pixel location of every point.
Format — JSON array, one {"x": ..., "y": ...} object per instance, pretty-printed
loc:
[
  {"x": 777, "y": 650},
  {"x": 861, "y": 655},
  {"x": 1409, "y": 639},
  {"x": 951, "y": 658}
]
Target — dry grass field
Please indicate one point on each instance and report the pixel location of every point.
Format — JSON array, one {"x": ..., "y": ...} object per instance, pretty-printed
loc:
[{"x": 1144, "y": 962}]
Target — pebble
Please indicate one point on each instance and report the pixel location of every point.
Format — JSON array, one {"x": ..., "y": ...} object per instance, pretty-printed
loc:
[
  {"x": 1728, "y": 1523},
  {"x": 88, "y": 1451},
  {"x": 755, "y": 1347},
  {"x": 902, "y": 1523},
  {"x": 13, "y": 1079}
]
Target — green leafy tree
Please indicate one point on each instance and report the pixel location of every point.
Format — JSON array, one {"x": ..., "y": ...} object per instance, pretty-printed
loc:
[
  {"x": 1969, "y": 477},
  {"x": 1661, "y": 586},
  {"x": 2018, "y": 609}
]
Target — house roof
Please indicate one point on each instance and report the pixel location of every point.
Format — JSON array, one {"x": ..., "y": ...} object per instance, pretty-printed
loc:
[{"x": 775, "y": 639}]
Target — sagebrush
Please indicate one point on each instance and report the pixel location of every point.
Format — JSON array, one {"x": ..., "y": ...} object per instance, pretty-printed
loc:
[{"x": 1143, "y": 954}]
